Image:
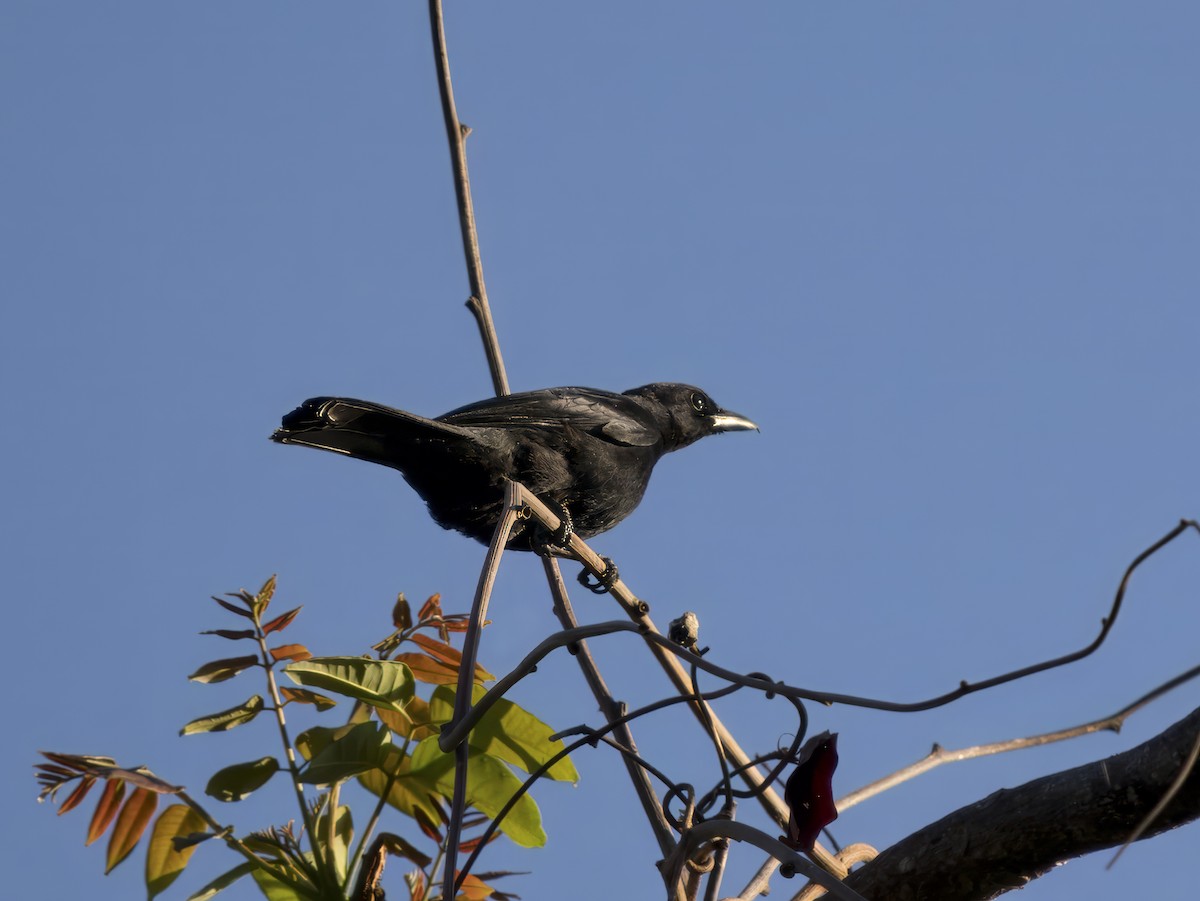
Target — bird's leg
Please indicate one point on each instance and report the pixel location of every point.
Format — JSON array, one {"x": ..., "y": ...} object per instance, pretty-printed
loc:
[{"x": 604, "y": 582}]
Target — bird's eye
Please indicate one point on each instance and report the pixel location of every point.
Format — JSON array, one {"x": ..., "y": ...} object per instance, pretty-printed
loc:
[{"x": 700, "y": 403}]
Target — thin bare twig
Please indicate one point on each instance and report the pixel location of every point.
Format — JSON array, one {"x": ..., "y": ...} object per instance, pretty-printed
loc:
[
  {"x": 711, "y": 830},
  {"x": 466, "y": 681},
  {"x": 940, "y": 755},
  {"x": 456, "y": 135}
]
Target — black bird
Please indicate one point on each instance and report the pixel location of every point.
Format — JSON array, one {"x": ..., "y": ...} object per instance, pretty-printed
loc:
[{"x": 586, "y": 451}]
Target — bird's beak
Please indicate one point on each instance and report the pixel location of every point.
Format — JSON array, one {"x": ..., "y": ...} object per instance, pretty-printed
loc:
[{"x": 732, "y": 422}]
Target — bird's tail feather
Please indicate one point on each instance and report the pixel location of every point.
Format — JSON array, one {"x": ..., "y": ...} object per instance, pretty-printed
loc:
[{"x": 361, "y": 429}]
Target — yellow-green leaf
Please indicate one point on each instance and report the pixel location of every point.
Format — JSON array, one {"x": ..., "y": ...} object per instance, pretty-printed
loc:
[
  {"x": 220, "y": 670},
  {"x": 226, "y": 719},
  {"x": 259, "y": 605},
  {"x": 380, "y": 683},
  {"x": 355, "y": 750},
  {"x": 343, "y": 835},
  {"x": 163, "y": 862},
  {"x": 131, "y": 823},
  {"x": 490, "y": 784},
  {"x": 222, "y": 882},
  {"x": 509, "y": 732},
  {"x": 276, "y": 890}
]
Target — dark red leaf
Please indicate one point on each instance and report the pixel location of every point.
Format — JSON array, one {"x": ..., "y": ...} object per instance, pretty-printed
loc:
[
  {"x": 402, "y": 613},
  {"x": 231, "y": 634},
  {"x": 232, "y": 608},
  {"x": 809, "y": 792},
  {"x": 281, "y": 622}
]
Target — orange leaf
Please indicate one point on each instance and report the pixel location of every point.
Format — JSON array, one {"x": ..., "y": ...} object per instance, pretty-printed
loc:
[
  {"x": 281, "y": 622},
  {"x": 427, "y": 669},
  {"x": 77, "y": 795},
  {"x": 449, "y": 655},
  {"x": 132, "y": 821},
  {"x": 106, "y": 809},
  {"x": 474, "y": 889},
  {"x": 291, "y": 652}
]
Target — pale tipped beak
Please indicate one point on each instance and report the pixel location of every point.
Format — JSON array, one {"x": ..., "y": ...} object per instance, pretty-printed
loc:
[{"x": 732, "y": 422}]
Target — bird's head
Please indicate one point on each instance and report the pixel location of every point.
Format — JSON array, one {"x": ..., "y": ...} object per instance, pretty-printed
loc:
[{"x": 686, "y": 414}]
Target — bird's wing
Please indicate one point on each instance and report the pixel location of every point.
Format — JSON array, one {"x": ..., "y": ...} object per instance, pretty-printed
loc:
[{"x": 613, "y": 417}]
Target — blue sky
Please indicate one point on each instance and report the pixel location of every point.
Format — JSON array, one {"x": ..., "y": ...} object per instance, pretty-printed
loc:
[{"x": 944, "y": 254}]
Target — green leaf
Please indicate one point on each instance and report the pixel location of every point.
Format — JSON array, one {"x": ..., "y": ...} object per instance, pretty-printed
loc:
[
  {"x": 236, "y": 782},
  {"x": 489, "y": 786},
  {"x": 226, "y": 719},
  {"x": 409, "y": 792},
  {"x": 380, "y": 683},
  {"x": 220, "y": 670},
  {"x": 131, "y": 823},
  {"x": 509, "y": 732},
  {"x": 163, "y": 862},
  {"x": 222, "y": 882},
  {"x": 275, "y": 890},
  {"x": 343, "y": 834},
  {"x": 350, "y": 751},
  {"x": 304, "y": 696}
]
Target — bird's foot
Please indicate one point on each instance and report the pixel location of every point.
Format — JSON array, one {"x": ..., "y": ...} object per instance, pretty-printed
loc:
[
  {"x": 554, "y": 542},
  {"x": 566, "y": 528},
  {"x": 604, "y": 581}
]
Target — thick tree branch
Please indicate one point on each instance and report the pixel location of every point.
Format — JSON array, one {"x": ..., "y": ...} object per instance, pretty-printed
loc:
[{"x": 1015, "y": 835}]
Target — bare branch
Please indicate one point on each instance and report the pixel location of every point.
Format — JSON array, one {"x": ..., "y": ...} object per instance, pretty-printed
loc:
[
  {"x": 456, "y": 135},
  {"x": 1015, "y": 835}
]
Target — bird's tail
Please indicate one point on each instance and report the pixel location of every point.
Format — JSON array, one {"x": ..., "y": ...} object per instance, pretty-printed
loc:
[{"x": 361, "y": 429}]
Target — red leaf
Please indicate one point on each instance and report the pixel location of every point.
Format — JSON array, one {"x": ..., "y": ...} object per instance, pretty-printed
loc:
[
  {"x": 809, "y": 792},
  {"x": 106, "y": 809},
  {"x": 431, "y": 608},
  {"x": 132, "y": 821},
  {"x": 77, "y": 795},
  {"x": 281, "y": 622}
]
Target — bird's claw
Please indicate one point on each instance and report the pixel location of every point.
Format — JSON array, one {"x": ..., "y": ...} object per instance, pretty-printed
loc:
[
  {"x": 604, "y": 581},
  {"x": 566, "y": 528}
]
